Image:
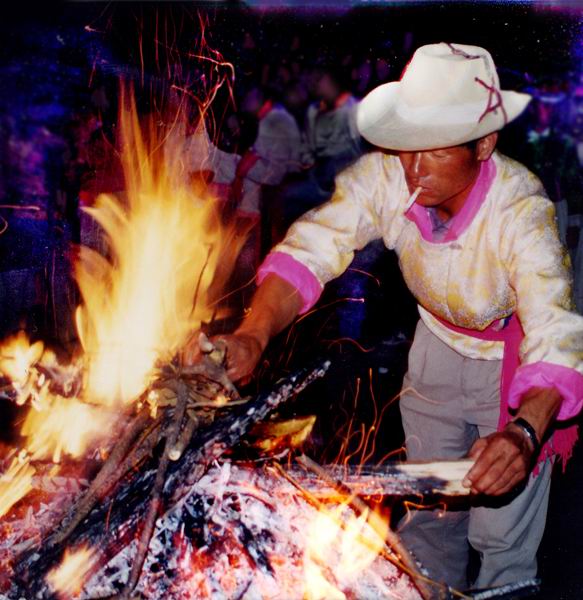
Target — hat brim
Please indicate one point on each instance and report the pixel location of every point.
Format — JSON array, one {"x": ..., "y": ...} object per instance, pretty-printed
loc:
[{"x": 381, "y": 123}]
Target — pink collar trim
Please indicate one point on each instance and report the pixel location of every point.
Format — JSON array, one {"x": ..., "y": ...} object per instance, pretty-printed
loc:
[{"x": 460, "y": 222}]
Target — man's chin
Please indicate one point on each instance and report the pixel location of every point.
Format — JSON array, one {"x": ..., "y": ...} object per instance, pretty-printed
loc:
[{"x": 426, "y": 200}]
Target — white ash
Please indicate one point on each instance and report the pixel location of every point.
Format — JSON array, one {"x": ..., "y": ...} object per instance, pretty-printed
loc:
[{"x": 239, "y": 533}]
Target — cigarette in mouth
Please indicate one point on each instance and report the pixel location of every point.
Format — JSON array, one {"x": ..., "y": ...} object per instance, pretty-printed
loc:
[{"x": 412, "y": 198}]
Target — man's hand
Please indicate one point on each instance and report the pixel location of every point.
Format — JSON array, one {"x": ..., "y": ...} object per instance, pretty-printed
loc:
[
  {"x": 243, "y": 352},
  {"x": 275, "y": 305},
  {"x": 503, "y": 460}
]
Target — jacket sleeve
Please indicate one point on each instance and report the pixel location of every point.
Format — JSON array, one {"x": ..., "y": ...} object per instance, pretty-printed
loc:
[
  {"x": 324, "y": 239},
  {"x": 540, "y": 273}
]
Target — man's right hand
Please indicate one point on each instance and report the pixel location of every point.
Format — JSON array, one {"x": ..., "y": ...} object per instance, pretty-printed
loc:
[
  {"x": 275, "y": 305},
  {"x": 243, "y": 352}
]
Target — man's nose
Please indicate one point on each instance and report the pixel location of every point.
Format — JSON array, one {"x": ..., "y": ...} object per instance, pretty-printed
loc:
[{"x": 416, "y": 165}]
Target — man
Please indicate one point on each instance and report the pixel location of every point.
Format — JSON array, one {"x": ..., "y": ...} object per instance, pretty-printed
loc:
[
  {"x": 497, "y": 360},
  {"x": 274, "y": 153},
  {"x": 331, "y": 142}
]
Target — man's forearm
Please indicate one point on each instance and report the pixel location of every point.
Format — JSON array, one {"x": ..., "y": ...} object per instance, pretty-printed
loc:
[
  {"x": 275, "y": 305},
  {"x": 539, "y": 407}
]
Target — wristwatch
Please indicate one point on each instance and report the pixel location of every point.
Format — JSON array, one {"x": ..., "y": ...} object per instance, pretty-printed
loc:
[{"x": 530, "y": 433}]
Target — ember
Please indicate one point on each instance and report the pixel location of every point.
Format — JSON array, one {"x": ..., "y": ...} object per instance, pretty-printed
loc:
[{"x": 245, "y": 531}]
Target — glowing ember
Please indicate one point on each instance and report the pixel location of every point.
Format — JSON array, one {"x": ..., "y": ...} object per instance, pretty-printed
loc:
[{"x": 68, "y": 578}]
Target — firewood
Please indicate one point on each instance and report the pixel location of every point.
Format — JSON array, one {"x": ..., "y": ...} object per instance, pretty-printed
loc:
[
  {"x": 112, "y": 524},
  {"x": 156, "y": 493},
  {"x": 404, "y": 479},
  {"x": 111, "y": 468}
]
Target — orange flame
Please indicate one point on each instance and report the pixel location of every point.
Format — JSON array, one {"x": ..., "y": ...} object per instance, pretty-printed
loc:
[
  {"x": 340, "y": 546},
  {"x": 169, "y": 257},
  {"x": 18, "y": 356},
  {"x": 15, "y": 482},
  {"x": 68, "y": 578},
  {"x": 64, "y": 425}
]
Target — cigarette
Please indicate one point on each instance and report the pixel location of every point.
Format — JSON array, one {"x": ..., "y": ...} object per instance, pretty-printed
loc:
[{"x": 412, "y": 198}]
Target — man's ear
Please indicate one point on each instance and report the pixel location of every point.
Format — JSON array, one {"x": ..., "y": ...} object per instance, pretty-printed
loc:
[{"x": 486, "y": 146}]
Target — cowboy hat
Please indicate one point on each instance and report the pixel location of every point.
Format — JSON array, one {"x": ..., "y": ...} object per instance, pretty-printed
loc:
[{"x": 449, "y": 94}]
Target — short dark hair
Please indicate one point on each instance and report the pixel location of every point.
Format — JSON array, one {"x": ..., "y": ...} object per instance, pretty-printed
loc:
[{"x": 472, "y": 144}]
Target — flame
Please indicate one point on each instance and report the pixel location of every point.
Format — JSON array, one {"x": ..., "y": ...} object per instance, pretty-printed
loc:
[
  {"x": 68, "y": 578},
  {"x": 15, "y": 482},
  {"x": 169, "y": 256},
  {"x": 64, "y": 425},
  {"x": 167, "y": 248},
  {"x": 18, "y": 356},
  {"x": 340, "y": 548}
]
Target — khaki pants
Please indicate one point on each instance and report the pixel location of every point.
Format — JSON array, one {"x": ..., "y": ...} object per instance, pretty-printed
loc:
[{"x": 460, "y": 403}]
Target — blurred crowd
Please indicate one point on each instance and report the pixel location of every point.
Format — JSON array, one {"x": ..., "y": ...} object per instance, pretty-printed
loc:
[{"x": 273, "y": 148}]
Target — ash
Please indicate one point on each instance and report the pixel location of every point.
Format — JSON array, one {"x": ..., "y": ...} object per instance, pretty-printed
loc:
[{"x": 240, "y": 532}]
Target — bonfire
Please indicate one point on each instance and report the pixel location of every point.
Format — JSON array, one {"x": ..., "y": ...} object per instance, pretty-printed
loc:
[{"x": 121, "y": 486}]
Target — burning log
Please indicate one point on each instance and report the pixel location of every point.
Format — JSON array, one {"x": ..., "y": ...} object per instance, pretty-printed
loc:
[{"x": 111, "y": 526}]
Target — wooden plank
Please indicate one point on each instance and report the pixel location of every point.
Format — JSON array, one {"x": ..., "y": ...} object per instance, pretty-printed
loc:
[{"x": 392, "y": 479}]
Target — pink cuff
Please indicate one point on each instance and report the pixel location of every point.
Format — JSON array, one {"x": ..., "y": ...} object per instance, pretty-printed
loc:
[
  {"x": 568, "y": 382},
  {"x": 295, "y": 273}
]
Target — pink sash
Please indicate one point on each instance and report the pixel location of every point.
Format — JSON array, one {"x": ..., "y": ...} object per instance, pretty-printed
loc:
[{"x": 562, "y": 441}]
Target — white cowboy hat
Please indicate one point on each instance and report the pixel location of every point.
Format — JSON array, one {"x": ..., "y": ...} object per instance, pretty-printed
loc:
[{"x": 449, "y": 94}]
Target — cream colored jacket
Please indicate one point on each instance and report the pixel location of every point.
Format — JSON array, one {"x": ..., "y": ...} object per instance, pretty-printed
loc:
[{"x": 508, "y": 258}]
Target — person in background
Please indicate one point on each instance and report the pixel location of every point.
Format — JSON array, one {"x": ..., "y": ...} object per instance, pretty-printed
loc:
[{"x": 330, "y": 143}]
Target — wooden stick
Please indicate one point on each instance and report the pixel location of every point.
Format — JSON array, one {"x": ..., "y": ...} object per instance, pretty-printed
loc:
[
  {"x": 406, "y": 479},
  {"x": 111, "y": 525},
  {"x": 156, "y": 494},
  {"x": 186, "y": 435},
  {"x": 101, "y": 482}
]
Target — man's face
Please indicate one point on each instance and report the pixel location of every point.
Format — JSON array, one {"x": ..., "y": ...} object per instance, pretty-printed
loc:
[
  {"x": 252, "y": 102},
  {"x": 326, "y": 88},
  {"x": 443, "y": 174}
]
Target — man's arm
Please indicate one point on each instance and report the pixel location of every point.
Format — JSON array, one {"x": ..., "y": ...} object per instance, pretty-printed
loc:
[
  {"x": 317, "y": 248},
  {"x": 548, "y": 385},
  {"x": 275, "y": 305},
  {"x": 504, "y": 458}
]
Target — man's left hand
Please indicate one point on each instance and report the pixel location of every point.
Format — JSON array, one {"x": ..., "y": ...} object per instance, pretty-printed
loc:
[{"x": 503, "y": 460}]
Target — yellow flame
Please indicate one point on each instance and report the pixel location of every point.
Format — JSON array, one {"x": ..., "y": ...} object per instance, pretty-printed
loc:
[
  {"x": 168, "y": 257},
  {"x": 63, "y": 425},
  {"x": 166, "y": 248},
  {"x": 345, "y": 547},
  {"x": 18, "y": 356},
  {"x": 68, "y": 578},
  {"x": 15, "y": 483}
]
